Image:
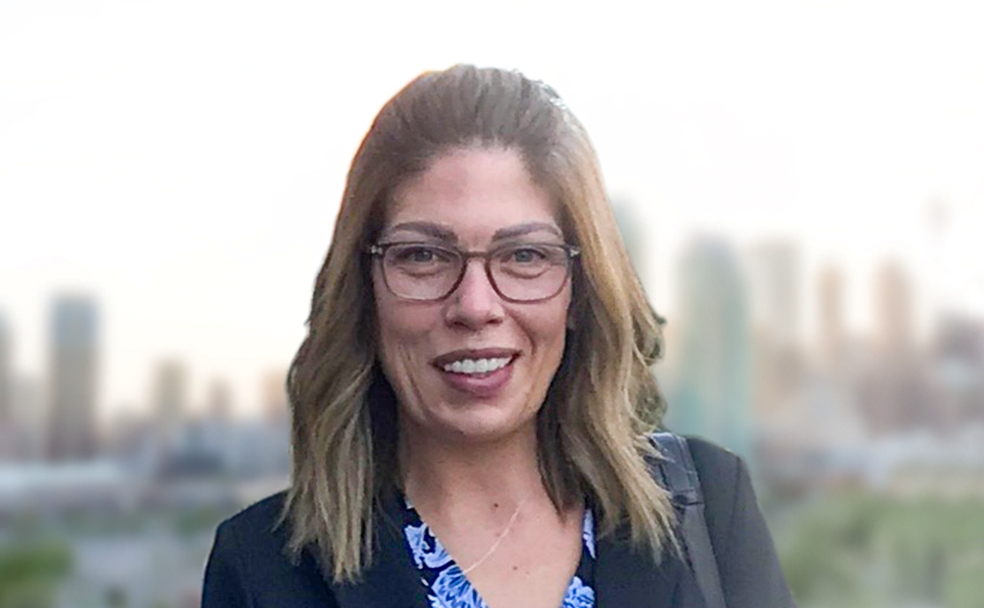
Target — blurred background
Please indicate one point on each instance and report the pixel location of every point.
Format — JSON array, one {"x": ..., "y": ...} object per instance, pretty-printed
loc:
[{"x": 800, "y": 184}]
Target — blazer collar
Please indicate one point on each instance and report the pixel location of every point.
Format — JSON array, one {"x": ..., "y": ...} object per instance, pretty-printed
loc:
[
  {"x": 624, "y": 577},
  {"x": 627, "y": 577},
  {"x": 392, "y": 581}
]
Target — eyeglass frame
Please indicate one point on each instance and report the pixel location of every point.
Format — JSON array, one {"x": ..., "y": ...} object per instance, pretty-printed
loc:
[{"x": 378, "y": 251}]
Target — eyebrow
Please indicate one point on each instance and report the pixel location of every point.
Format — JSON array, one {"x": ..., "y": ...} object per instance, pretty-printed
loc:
[
  {"x": 427, "y": 228},
  {"x": 524, "y": 229},
  {"x": 446, "y": 234}
]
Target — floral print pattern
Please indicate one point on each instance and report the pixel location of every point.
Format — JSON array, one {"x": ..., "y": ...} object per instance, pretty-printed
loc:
[
  {"x": 448, "y": 587},
  {"x": 578, "y": 595},
  {"x": 587, "y": 533},
  {"x": 427, "y": 551}
]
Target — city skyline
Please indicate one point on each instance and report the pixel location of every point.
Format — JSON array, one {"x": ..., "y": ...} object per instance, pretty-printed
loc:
[
  {"x": 177, "y": 168},
  {"x": 192, "y": 188},
  {"x": 771, "y": 271}
]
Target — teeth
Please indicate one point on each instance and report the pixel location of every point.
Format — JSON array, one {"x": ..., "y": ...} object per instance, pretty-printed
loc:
[{"x": 476, "y": 366}]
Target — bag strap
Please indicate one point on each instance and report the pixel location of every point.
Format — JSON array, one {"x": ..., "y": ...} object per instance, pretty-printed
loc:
[{"x": 677, "y": 473}]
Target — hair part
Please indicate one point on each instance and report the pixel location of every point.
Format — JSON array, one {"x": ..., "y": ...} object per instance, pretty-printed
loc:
[{"x": 603, "y": 399}]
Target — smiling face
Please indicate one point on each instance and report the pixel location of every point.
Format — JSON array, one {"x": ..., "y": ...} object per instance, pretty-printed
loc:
[{"x": 472, "y": 366}]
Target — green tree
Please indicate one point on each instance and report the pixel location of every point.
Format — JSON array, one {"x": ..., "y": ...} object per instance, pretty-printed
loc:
[
  {"x": 864, "y": 550},
  {"x": 30, "y": 574}
]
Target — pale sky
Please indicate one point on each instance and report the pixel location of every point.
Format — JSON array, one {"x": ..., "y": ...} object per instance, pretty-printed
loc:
[{"x": 183, "y": 161}]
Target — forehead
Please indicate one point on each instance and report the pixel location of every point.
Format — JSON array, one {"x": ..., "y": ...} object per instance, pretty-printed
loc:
[{"x": 474, "y": 192}]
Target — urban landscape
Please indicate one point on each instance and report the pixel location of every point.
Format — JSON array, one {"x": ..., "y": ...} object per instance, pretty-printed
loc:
[
  {"x": 867, "y": 450},
  {"x": 799, "y": 186}
]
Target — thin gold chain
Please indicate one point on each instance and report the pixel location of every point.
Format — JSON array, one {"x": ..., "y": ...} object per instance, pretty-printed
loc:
[{"x": 498, "y": 540}]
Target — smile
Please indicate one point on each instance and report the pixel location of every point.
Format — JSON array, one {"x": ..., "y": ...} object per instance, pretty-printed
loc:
[
  {"x": 481, "y": 373},
  {"x": 476, "y": 366}
]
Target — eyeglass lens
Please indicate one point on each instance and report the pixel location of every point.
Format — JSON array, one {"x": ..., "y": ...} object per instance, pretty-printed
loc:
[{"x": 522, "y": 272}]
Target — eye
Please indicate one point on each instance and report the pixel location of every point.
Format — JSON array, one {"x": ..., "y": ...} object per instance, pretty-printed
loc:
[
  {"x": 524, "y": 255},
  {"x": 419, "y": 254},
  {"x": 420, "y": 260}
]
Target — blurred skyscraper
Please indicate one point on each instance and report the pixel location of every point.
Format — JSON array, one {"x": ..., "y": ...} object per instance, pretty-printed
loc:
[
  {"x": 711, "y": 390},
  {"x": 632, "y": 234},
  {"x": 274, "y": 392},
  {"x": 29, "y": 418},
  {"x": 958, "y": 354},
  {"x": 832, "y": 334},
  {"x": 170, "y": 401},
  {"x": 895, "y": 392},
  {"x": 6, "y": 407},
  {"x": 893, "y": 312},
  {"x": 773, "y": 271},
  {"x": 72, "y": 420},
  {"x": 774, "y": 281},
  {"x": 219, "y": 405},
  {"x": 6, "y": 398}
]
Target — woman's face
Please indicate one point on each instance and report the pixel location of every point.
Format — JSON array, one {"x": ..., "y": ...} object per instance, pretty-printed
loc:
[{"x": 471, "y": 366}]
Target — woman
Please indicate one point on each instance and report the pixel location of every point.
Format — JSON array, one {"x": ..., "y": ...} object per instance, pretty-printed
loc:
[{"x": 472, "y": 402}]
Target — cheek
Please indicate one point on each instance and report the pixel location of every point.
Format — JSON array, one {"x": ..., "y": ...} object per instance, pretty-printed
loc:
[
  {"x": 402, "y": 330},
  {"x": 389, "y": 323},
  {"x": 549, "y": 328}
]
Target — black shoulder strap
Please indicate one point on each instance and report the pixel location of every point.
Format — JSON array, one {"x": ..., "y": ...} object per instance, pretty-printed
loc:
[{"x": 676, "y": 472}]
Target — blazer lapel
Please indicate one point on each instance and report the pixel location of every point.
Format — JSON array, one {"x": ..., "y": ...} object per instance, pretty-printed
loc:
[
  {"x": 392, "y": 581},
  {"x": 629, "y": 578},
  {"x": 623, "y": 578}
]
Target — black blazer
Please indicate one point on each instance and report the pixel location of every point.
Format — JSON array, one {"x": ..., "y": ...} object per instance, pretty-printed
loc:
[
  {"x": 248, "y": 569},
  {"x": 747, "y": 562}
]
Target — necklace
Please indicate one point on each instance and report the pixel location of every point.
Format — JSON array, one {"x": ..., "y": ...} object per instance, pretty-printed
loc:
[{"x": 498, "y": 540}]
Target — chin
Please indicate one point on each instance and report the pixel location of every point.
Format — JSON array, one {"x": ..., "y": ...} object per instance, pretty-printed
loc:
[{"x": 480, "y": 423}]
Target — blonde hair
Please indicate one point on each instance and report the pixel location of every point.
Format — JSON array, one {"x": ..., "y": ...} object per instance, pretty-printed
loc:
[{"x": 603, "y": 399}]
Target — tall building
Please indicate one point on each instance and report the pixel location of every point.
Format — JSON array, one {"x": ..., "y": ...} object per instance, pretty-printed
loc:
[
  {"x": 958, "y": 358},
  {"x": 274, "y": 394},
  {"x": 219, "y": 404},
  {"x": 893, "y": 311},
  {"x": 773, "y": 273},
  {"x": 832, "y": 333},
  {"x": 30, "y": 418},
  {"x": 170, "y": 397},
  {"x": 6, "y": 398},
  {"x": 895, "y": 392},
  {"x": 710, "y": 393},
  {"x": 74, "y": 350},
  {"x": 633, "y": 234},
  {"x": 7, "y": 429},
  {"x": 169, "y": 402}
]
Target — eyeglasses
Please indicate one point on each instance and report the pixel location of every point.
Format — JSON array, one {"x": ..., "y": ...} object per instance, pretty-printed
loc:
[{"x": 519, "y": 272}]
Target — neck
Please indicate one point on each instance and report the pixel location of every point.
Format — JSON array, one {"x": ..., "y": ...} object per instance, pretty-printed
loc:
[{"x": 448, "y": 477}]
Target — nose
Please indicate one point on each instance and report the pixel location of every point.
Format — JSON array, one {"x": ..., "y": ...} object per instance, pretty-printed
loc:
[{"x": 474, "y": 303}]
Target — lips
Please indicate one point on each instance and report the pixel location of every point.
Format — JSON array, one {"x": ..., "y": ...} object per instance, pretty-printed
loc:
[
  {"x": 475, "y": 361},
  {"x": 479, "y": 373}
]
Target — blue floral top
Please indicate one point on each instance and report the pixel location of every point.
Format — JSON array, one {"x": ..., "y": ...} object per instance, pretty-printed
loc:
[{"x": 447, "y": 586}]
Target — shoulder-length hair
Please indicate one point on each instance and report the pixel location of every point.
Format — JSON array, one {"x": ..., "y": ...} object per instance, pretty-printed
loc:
[{"x": 603, "y": 399}]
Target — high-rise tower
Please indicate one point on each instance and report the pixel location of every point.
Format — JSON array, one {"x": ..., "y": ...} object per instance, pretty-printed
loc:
[
  {"x": 74, "y": 349},
  {"x": 773, "y": 271},
  {"x": 6, "y": 407},
  {"x": 170, "y": 397},
  {"x": 711, "y": 393},
  {"x": 7, "y": 430},
  {"x": 893, "y": 311},
  {"x": 832, "y": 333}
]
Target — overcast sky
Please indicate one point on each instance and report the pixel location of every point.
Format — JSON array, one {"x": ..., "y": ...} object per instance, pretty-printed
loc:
[{"x": 182, "y": 161}]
